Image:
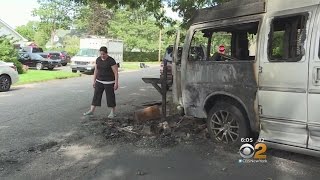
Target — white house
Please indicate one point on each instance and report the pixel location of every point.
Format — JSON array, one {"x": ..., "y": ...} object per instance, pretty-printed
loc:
[{"x": 6, "y": 30}]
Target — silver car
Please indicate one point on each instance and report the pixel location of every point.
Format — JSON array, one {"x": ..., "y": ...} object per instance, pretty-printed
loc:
[{"x": 8, "y": 75}]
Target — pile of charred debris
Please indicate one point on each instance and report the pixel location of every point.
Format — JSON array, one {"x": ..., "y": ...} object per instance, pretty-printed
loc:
[{"x": 147, "y": 128}]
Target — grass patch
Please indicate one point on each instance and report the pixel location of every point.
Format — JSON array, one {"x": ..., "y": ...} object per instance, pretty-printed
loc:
[
  {"x": 33, "y": 76},
  {"x": 136, "y": 65}
]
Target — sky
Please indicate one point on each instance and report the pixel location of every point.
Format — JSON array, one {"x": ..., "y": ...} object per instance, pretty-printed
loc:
[{"x": 18, "y": 12}]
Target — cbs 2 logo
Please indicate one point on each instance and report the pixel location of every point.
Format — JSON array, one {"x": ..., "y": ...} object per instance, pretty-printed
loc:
[{"x": 257, "y": 152}]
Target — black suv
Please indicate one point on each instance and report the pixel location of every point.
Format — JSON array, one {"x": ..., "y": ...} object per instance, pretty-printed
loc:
[{"x": 37, "y": 61}]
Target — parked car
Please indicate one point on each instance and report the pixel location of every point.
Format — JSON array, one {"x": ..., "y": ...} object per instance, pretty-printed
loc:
[
  {"x": 56, "y": 55},
  {"x": 32, "y": 49},
  {"x": 64, "y": 56},
  {"x": 8, "y": 76},
  {"x": 51, "y": 56},
  {"x": 37, "y": 61}
]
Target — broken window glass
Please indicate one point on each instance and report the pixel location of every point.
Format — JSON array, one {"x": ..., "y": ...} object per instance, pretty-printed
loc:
[
  {"x": 236, "y": 42},
  {"x": 286, "y": 39}
]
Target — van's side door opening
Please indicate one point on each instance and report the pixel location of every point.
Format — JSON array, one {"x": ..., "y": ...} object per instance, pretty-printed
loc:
[{"x": 230, "y": 73}]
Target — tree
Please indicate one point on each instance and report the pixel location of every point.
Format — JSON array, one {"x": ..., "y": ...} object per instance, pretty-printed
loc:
[
  {"x": 41, "y": 38},
  {"x": 71, "y": 45},
  {"x": 28, "y": 31},
  {"x": 99, "y": 18},
  {"x": 93, "y": 19},
  {"x": 55, "y": 14},
  {"x": 136, "y": 28},
  {"x": 8, "y": 53},
  {"x": 185, "y": 8}
]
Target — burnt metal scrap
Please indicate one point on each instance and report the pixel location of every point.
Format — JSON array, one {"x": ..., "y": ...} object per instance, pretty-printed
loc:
[
  {"x": 229, "y": 10},
  {"x": 173, "y": 130}
]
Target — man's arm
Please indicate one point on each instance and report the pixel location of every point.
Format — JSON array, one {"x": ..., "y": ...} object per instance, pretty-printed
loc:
[
  {"x": 95, "y": 75},
  {"x": 116, "y": 76}
]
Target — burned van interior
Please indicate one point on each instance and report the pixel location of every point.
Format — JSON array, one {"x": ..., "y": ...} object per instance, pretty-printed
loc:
[
  {"x": 238, "y": 42},
  {"x": 286, "y": 38}
]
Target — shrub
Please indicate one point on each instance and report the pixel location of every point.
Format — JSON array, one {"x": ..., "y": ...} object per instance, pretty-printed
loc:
[
  {"x": 140, "y": 56},
  {"x": 9, "y": 54}
]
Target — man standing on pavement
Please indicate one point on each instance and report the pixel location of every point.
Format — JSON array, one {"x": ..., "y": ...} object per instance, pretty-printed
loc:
[{"x": 105, "y": 78}]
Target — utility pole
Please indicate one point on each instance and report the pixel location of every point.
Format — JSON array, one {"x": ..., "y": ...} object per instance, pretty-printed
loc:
[
  {"x": 160, "y": 36},
  {"x": 160, "y": 45}
]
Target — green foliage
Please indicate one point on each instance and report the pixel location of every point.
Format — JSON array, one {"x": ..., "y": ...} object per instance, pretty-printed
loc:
[
  {"x": 71, "y": 44},
  {"x": 9, "y": 54},
  {"x": 41, "y": 38},
  {"x": 28, "y": 31},
  {"x": 41, "y": 76},
  {"x": 81, "y": 22},
  {"x": 58, "y": 14},
  {"x": 98, "y": 19},
  {"x": 140, "y": 56},
  {"x": 277, "y": 44},
  {"x": 185, "y": 8},
  {"x": 136, "y": 28}
]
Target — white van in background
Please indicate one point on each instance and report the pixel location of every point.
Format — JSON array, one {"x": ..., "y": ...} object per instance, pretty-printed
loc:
[{"x": 85, "y": 59}]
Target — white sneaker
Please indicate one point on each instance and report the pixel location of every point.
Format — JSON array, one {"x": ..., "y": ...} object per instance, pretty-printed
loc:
[{"x": 111, "y": 115}]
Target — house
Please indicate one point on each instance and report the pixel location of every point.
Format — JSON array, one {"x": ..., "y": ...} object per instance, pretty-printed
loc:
[
  {"x": 17, "y": 39},
  {"x": 58, "y": 37},
  {"x": 56, "y": 40}
]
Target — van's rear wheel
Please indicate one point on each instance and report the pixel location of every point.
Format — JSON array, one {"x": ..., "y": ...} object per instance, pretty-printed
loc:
[{"x": 227, "y": 125}]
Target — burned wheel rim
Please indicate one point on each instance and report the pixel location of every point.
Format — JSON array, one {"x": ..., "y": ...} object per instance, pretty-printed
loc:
[
  {"x": 5, "y": 83},
  {"x": 225, "y": 127}
]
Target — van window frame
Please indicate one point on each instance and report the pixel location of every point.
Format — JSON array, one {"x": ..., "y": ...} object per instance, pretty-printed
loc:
[
  {"x": 270, "y": 39},
  {"x": 233, "y": 22},
  {"x": 319, "y": 48}
]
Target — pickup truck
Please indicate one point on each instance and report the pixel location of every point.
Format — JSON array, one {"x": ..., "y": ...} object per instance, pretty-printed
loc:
[{"x": 37, "y": 61}]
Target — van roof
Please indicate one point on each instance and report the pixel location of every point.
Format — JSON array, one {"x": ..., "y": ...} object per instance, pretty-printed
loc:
[
  {"x": 238, "y": 8},
  {"x": 235, "y": 8},
  {"x": 281, "y": 5}
]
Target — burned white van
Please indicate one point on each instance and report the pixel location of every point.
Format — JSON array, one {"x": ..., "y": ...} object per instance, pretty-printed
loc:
[{"x": 267, "y": 82}]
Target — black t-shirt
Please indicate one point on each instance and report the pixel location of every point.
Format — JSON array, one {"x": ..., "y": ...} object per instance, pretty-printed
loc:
[{"x": 105, "y": 72}]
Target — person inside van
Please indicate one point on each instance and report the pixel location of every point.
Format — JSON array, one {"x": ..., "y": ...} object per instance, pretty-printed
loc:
[{"x": 105, "y": 78}]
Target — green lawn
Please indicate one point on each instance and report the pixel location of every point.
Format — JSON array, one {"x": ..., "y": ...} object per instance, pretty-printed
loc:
[
  {"x": 33, "y": 76},
  {"x": 136, "y": 65}
]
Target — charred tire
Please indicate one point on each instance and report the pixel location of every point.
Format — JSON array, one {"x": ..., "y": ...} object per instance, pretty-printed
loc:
[
  {"x": 74, "y": 71},
  {"x": 227, "y": 124},
  {"x": 5, "y": 83},
  {"x": 51, "y": 68},
  {"x": 64, "y": 64}
]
